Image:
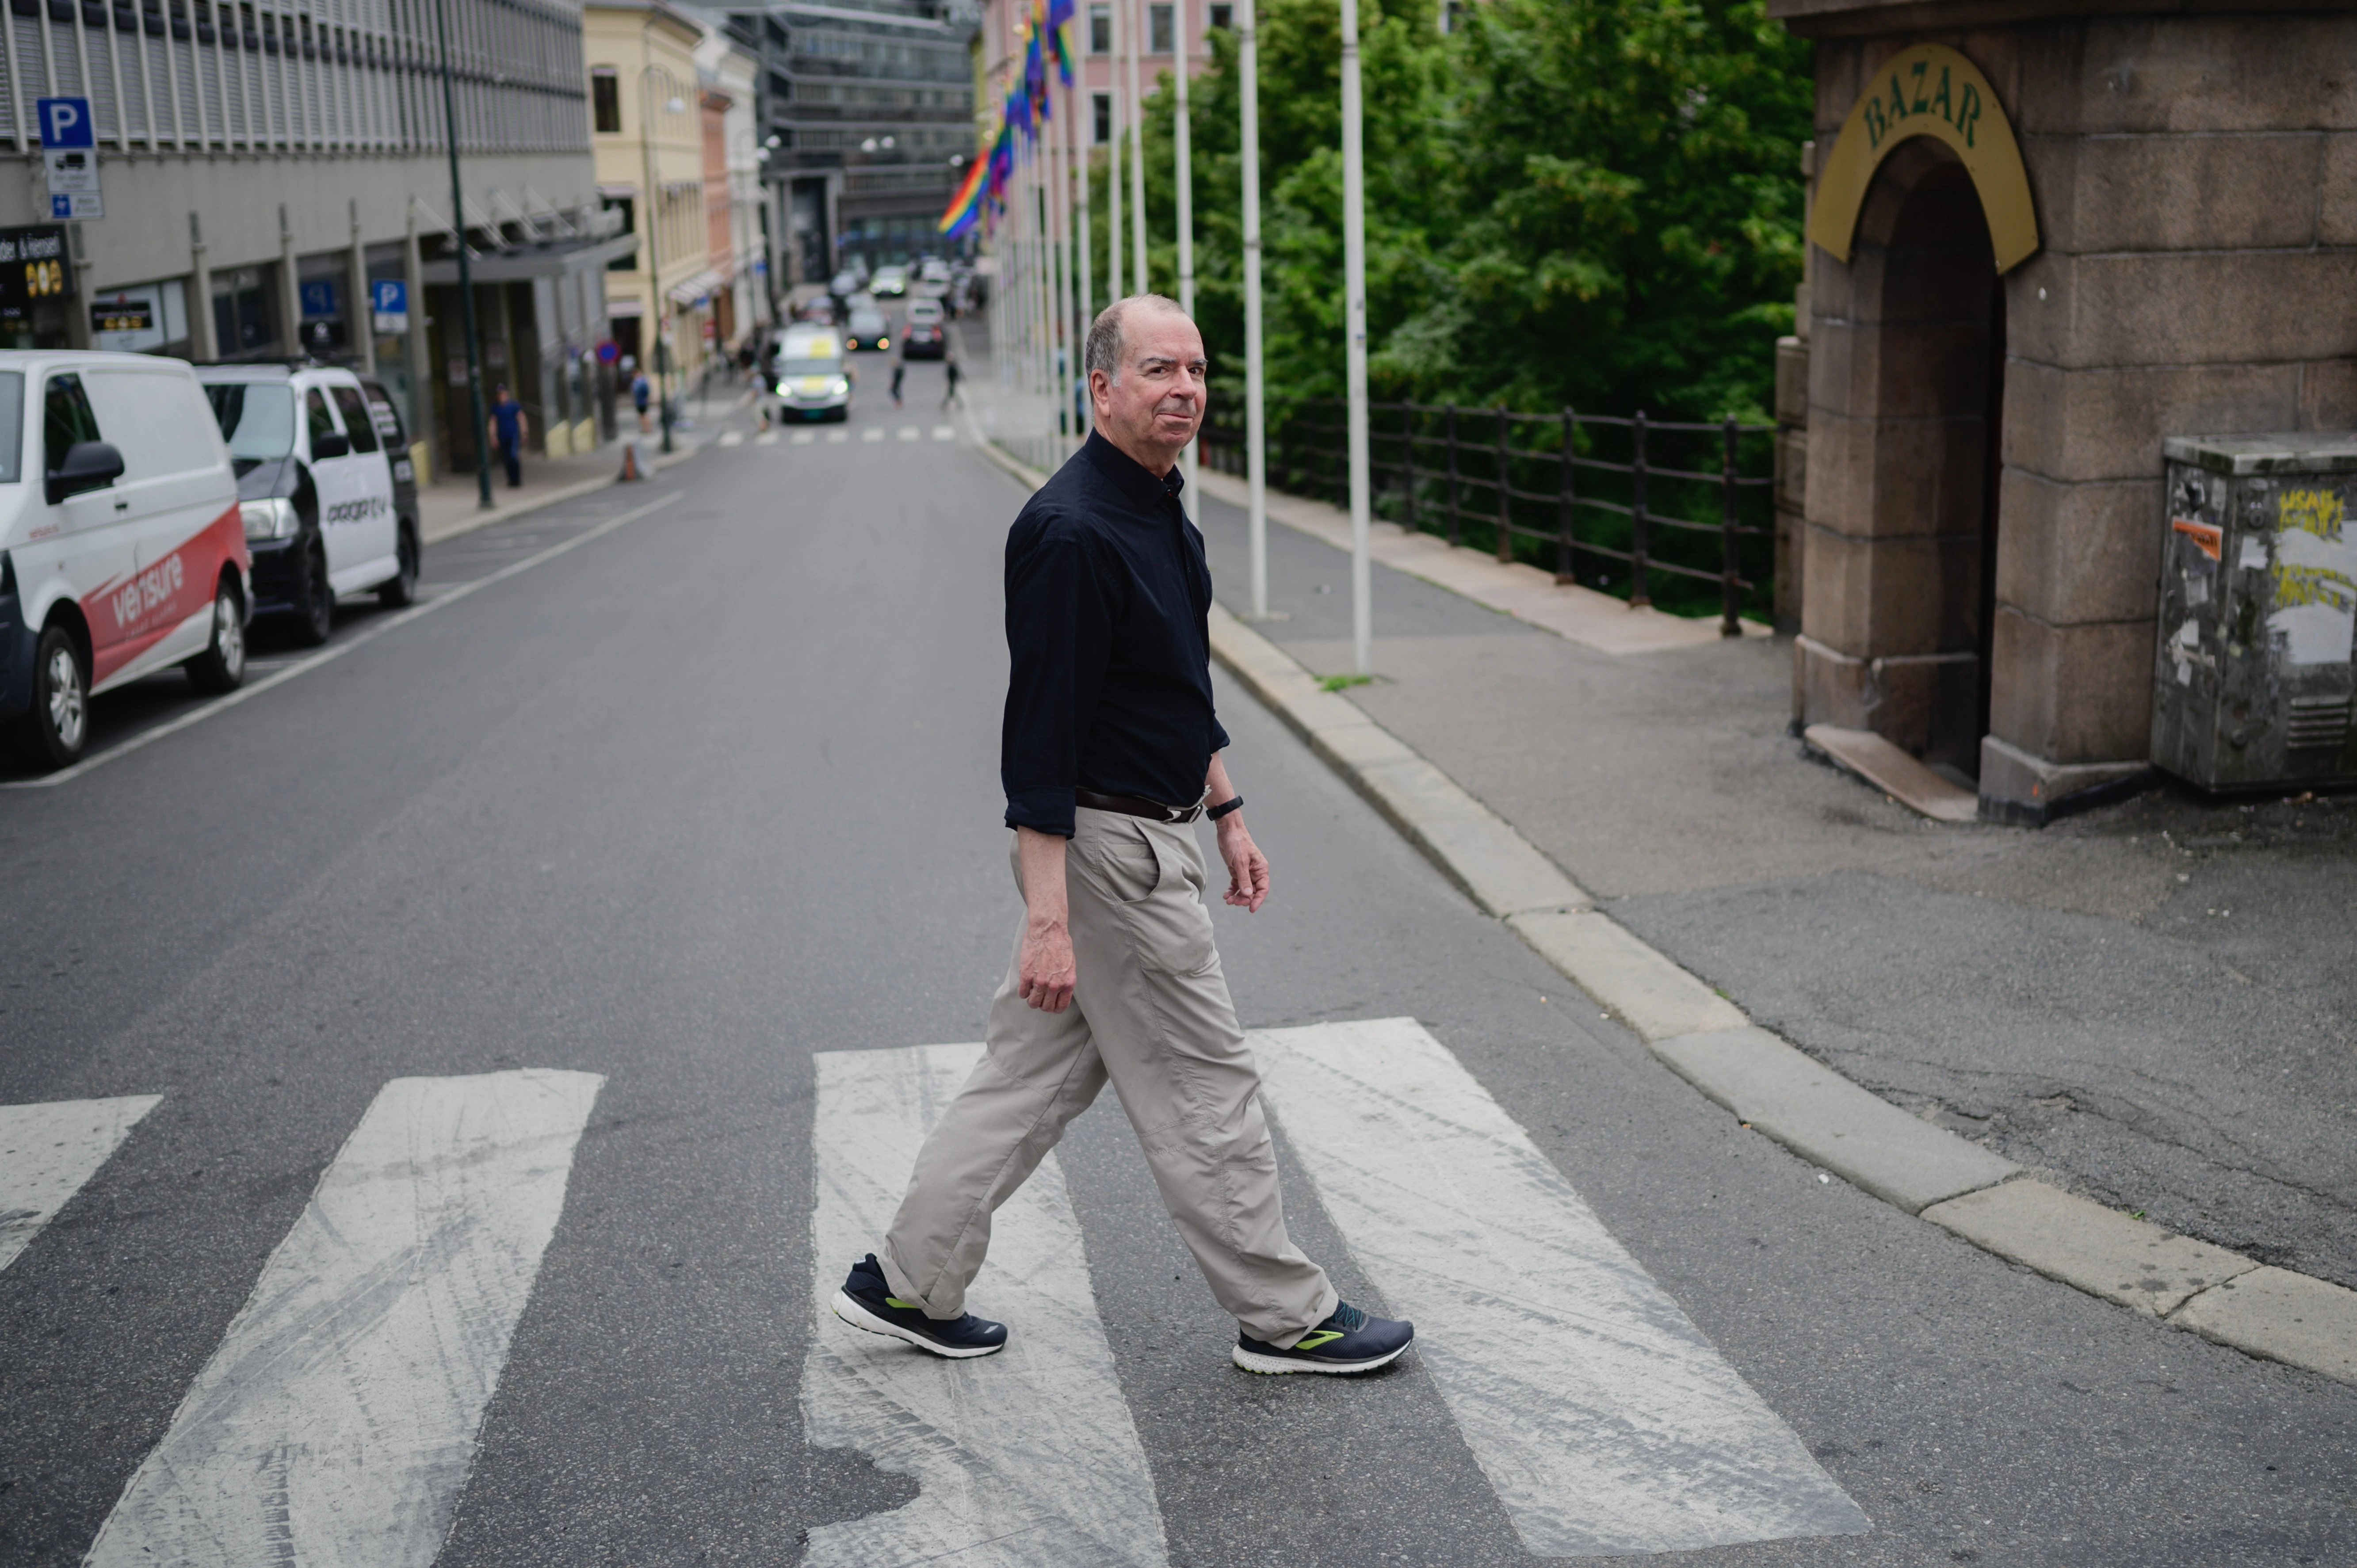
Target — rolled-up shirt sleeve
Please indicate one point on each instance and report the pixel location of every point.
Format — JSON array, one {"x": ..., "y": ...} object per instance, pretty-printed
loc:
[{"x": 1058, "y": 631}]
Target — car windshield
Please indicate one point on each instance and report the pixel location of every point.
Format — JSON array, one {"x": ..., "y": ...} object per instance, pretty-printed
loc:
[
  {"x": 810, "y": 368},
  {"x": 257, "y": 418}
]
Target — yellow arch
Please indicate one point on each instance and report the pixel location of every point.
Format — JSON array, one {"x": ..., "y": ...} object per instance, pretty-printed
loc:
[{"x": 1928, "y": 90}]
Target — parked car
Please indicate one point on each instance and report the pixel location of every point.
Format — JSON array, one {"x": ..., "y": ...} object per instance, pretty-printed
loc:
[
  {"x": 317, "y": 490},
  {"x": 889, "y": 283},
  {"x": 936, "y": 270},
  {"x": 845, "y": 284},
  {"x": 121, "y": 552},
  {"x": 923, "y": 335},
  {"x": 818, "y": 310},
  {"x": 868, "y": 328},
  {"x": 812, "y": 380}
]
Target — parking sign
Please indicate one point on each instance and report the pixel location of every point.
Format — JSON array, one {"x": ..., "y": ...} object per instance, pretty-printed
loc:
[
  {"x": 65, "y": 122},
  {"x": 389, "y": 304}
]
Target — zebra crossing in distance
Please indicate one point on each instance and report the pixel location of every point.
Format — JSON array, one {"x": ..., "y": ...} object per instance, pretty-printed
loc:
[{"x": 337, "y": 1419}]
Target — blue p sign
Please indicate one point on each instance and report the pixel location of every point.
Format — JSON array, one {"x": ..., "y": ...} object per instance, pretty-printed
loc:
[
  {"x": 65, "y": 122},
  {"x": 392, "y": 296}
]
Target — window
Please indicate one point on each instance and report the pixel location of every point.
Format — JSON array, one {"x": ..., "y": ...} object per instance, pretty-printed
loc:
[
  {"x": 316, "y": 414},
  {"x": 387, "y": 417},
  {"x": 1159, "y": 30},
  {"x": 628, "y": 206},
  {"x": 257, "y": 419},
  {"x": 12, "y": 423},
  {"x": 357, "y": 422},
  {"x": 1224, "y": 16},
  {"x": 1100, "y": 29},
  {"x": 1103, "y": 105},
  {"x": 605, "y": 98},
  {"x": 66, "y": 419}
]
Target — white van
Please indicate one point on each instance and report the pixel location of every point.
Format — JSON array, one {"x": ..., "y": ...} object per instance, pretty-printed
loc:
[
  {"x": 122, "y": 550},
  {"x": 323, "y": 517}
]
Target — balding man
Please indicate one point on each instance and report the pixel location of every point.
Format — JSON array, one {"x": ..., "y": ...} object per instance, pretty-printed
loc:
[{"x": 1109, "y": 753}]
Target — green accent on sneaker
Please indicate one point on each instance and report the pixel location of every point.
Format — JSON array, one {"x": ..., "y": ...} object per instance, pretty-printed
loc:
[
  {"x": 904, "y": 1305},
  {"x": 1317, "y": 1337}
]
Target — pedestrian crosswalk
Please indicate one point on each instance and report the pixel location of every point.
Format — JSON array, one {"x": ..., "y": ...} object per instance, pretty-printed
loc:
[{"x": 336, "y": 1420}]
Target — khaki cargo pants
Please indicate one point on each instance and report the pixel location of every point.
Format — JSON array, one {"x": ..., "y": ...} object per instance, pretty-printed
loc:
[{"x": 1151, "y": 1012}]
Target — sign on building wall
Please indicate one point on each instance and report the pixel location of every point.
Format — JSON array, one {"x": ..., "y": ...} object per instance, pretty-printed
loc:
[
  {"x": 69, "y": 157},
  {"x": 32, "y": 269},
  {"x": 389, "y": 304}
]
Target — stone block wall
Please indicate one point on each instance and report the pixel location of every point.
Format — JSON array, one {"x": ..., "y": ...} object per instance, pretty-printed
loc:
[{"x": 2195, "y": 181}]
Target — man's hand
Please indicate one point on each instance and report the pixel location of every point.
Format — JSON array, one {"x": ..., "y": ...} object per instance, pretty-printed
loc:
[
  {"x": 1044, "y": 976},
  {"x": 1248, "y": 867},
  {"x": 1044, "y": 971}
]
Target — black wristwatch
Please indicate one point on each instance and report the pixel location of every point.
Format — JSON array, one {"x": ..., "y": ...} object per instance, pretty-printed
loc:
[{"x": 1234, "y": 803}]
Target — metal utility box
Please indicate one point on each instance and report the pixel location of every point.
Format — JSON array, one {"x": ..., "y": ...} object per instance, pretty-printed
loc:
[{"x": 2253, "y": 671}]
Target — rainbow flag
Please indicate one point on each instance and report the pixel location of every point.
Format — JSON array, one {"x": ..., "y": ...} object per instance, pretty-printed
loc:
[{"x": 965, "y": 208}]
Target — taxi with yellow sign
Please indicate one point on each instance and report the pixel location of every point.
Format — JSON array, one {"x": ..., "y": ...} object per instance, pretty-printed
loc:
[{"x": 813, "y": 381}]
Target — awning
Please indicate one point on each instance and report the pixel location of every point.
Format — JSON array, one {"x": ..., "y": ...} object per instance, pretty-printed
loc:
[
  {"x": 703, "y": 284},
  {"x": 541, "y": 259}
]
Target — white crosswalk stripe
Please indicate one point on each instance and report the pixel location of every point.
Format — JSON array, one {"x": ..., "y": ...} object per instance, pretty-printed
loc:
[
  {"x": 944, "y": 433},
  {"x": 1028, "y": 1458},
  {"x": 336, "y": 1420},
  {"x": 835, "y": 436},
  {"x": 767, "y": 438},
  {"x": 732, "y": 438},
  {"x": 47, "y": 1152},
  {"x": 910, "y": 432},
  {"x": 1605, "y": 1421},
  {"x": 804, "y": 437},
  {"x": 872, "y": 433}
]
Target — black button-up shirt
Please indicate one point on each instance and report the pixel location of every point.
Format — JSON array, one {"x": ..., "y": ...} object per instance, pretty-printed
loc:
[{"x": 1107, "y": 600}]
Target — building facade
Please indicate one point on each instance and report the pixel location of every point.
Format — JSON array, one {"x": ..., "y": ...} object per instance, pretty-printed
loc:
[
  {"x": 263, "y": 171},
  {"x": 647, "y": 127},
  {"x": 866, "y": 108},
  {"x": 2045, "y": 239},
  {"x": 734, "y": 197}
]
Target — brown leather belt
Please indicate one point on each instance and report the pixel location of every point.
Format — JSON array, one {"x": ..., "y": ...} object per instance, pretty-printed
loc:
[{"x": 1138, "y": 806}]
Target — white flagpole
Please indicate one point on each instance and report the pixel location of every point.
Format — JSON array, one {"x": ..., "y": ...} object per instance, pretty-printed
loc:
[
  {"x": 1255, "y": 432},
  {"x": 1083, "y": 248},
  {"x": 1112, "y": 175},
  {"x": 1136, "y": 150},
  {"x": 1183, "y": 47},
  {"x": 1354, "y": 327}
]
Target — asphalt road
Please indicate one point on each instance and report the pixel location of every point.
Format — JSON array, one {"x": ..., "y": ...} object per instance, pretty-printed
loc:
[{"x": 712, "y": 789}]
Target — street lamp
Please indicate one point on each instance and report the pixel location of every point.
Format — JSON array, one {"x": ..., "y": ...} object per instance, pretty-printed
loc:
[
  {"x": 674, "y": 103},
  {"x": 466, "y": 278}
]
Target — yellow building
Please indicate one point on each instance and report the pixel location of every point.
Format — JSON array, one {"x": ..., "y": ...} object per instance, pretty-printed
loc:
[{"x": 648, "y": 133}]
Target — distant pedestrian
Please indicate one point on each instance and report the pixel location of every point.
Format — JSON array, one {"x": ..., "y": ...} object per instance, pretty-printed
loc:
[
  {"x": 506, "y": 432},
  {"x": 950, "y": 371},
  {"x": 899, "y": 371},
  {"x": 643, "y": 393}
]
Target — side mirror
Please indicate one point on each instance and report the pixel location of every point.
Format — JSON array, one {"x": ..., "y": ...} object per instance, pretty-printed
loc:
[
  {"x": 88, "y": 466},
  {"x": 330, "y": 444}
]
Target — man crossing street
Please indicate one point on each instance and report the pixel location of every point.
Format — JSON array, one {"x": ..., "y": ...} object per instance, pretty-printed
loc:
[{"x": 1109, "y": 752}]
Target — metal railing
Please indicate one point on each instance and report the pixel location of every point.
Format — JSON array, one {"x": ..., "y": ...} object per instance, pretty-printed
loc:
[{"x": 1654, "y": 498}]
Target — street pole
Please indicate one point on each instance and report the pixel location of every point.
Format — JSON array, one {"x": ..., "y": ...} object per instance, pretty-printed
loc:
[
  {"x": 1354, "y": 327},
  {"x": 1113, "y": 174},
  {"x": 1058, "y": 276},
  {"x": 1181, "y": 158},
  {"x": 1083, "y": 250},
  {"x": 654, "y": 228},
  {"x": 466, "y": 277},
  {"x": 1136, "y": 150},
  {"x": 1255, "y": 432}
]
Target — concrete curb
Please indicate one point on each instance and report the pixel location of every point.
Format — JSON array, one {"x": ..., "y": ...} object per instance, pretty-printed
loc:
[{"x": 1775, "y": 1089}]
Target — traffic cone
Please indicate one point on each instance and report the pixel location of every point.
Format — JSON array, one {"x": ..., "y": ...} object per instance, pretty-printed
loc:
[{"x": 630, "y": 462}]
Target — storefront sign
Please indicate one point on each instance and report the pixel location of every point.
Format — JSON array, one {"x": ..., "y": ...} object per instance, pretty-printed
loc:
[
  {"x": 33, "y": 268},
  {"x": 123, "y": 315},
  {"x": 1931, "y": 90}
]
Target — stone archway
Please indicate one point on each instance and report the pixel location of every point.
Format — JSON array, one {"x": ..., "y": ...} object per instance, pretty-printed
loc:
[{"x": 1906, "y": 371}]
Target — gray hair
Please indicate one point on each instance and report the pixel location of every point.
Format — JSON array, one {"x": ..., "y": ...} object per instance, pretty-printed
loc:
[{"x": 1107, "y": 343}]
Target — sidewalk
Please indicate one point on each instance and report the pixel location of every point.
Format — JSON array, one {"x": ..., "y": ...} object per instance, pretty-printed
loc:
[
  {"x": 2152, "y": 1006},
  {"x": 452, "y": 504}
]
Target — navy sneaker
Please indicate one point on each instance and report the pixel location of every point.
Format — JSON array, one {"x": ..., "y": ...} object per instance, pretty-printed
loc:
[
  {"x": 1348, "y": 1341},
  {"x": 867, "y": 1302}
]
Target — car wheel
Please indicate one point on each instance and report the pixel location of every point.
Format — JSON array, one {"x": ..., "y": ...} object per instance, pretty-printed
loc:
[
  {"x": 55, "y": 731},
  {"x": 315, "y": 602},
  {"x": 400, "y": 590},
  {"x": 222, "y": 666}
]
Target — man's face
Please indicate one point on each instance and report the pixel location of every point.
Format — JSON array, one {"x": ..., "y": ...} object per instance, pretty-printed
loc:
[{"x": 1156, "y": 407}]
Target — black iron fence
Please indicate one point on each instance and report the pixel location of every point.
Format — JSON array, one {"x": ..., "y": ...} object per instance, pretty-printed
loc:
[{"x": 1645, "y": 508}]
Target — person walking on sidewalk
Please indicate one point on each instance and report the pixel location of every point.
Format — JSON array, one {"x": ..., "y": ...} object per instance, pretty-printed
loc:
[
  {"x": 642, "y": 396},
  {"x": 949, "y": 373},
  {"x": 900, "y": 372},
  {"x": 1109, "y": 752},
  {"x": 506, "y": 432}
]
